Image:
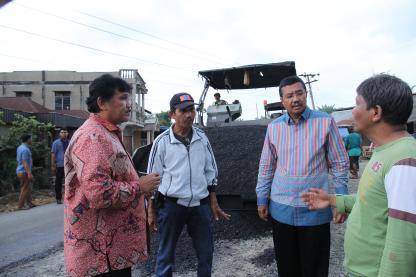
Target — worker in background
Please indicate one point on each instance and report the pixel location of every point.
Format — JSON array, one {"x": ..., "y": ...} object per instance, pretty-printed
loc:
[
  {"x": 380, "y": 239},
  {"x": 353, "y": 144},
  {"x": 57, "y": 162},
  {"x": 301, "y": 148},
  {"x": 183, "y": 157},
  {"x": 218, "y": 100},
  {"x": 24, "y": 172}
]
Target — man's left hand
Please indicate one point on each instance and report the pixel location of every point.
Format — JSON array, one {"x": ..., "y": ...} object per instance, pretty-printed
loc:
[
  {"x": 338, "y": 218},
  {"x": 152, "y": 219},
  {"x": 217, "y": 212}
]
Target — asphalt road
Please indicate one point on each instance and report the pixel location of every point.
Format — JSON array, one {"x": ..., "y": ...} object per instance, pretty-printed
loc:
[{"x": 30, "y": 234}]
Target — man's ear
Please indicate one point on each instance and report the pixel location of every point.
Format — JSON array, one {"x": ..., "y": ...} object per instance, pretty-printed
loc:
[
  {"x": 170, "y": 114},
  {"x": 101, "y": 104},
  {"x": 377, "y": 115}
]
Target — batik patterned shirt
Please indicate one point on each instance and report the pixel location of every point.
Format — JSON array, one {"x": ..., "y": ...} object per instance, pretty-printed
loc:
[{"x": 105, "y": 218}]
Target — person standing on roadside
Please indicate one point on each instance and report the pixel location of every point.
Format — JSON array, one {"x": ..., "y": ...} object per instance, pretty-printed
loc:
[
  {"x": 183, "y": 157},
  {"x": 380, "y": 239},
  {"x": 105, "y": 231},
  {"x": 57, "y": 162},
  {"x": 24, "y": 172},
  {"x": 301, "y": 149},
  {"x": 353, "y": 144}
]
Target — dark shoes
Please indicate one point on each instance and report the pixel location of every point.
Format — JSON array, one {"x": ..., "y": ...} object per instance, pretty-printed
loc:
[{"x": 59, "y": 202}]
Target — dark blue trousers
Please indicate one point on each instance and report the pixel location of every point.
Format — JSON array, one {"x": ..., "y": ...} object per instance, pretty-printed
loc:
[{"x": 172, "y": 218}]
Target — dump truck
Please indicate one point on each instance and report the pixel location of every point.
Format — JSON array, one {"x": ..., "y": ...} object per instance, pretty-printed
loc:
[{"x": 237, "y": 144}]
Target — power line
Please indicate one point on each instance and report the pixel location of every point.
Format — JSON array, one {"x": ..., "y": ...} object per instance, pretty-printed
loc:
[
  {"x": 149, "y": 35},
  {"x": 112, "y": 33},
  {"x": 27, "y": 59},
  {"x": 148, "y": 81},
  {"x": 92, "y": 48}
]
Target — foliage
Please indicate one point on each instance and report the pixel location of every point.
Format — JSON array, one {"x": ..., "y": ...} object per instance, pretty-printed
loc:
[
  {"x": 29, "y": 125},
  {"x": 40, "y": 147},
  {"x": 327, "y": 108},
  {"x": 1, "y": 121},
  {"x": 164, "y": 118}
]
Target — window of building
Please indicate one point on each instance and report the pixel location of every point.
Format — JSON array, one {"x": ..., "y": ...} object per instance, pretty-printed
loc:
[
  {"x": 62, "y": 100},
  {"x": 23, "y": 93}
]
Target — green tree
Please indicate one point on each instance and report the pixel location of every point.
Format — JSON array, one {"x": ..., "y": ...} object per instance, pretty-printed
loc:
[
  {"x": 327, "y": 108},
  {"x": 164, "y": 118},
  {"x": 1, "y": 121},
  {"x": 29, "y": 125},
  {"x": 40, "y": 147}
]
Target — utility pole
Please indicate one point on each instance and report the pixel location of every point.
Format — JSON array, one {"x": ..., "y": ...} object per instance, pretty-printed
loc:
[{"x": 309, "y": 80}]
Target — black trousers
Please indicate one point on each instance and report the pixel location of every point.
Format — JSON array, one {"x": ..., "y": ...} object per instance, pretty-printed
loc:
[
  {"x": 60, "y": 174},
  {"x": 117, "y": 273},
  {"x": 301, "y": 251},
  {"x": 354, "y": 162}
]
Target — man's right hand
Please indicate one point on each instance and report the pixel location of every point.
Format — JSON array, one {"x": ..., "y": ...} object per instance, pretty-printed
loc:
[
  {"x": 30, "y": 177},
  {"x": 149, "y": 183},
  {"x": 263, "y": 212},
  {"x": 318, "y": 199},
  {"x": 53, "y": 170}
]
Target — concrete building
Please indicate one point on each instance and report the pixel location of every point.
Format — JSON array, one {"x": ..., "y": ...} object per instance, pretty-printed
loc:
[{"x": 65, "y": 92}]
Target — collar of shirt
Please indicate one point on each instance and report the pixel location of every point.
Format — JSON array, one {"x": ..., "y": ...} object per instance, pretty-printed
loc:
[
  {"x": 305, "y": 115},
  {"x": 25, "y": 145},
  {"x": 106, "y": 124},
  {"x": 173, "y": 138}
]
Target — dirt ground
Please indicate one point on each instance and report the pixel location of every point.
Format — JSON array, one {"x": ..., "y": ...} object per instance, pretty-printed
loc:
[{"x": 8, "y": 203}]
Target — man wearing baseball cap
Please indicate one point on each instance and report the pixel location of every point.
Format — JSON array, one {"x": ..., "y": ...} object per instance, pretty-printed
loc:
[{"x": 183, "y": 157}]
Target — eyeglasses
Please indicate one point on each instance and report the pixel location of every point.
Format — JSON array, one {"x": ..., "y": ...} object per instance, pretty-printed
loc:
[{"x": 298, "y": 93}]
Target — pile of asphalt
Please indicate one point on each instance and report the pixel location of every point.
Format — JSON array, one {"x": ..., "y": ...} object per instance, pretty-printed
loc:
[{"x": 237, "y": 150}]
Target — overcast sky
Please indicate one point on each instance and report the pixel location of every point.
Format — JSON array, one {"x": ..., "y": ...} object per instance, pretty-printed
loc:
[{"x": 170, "y": 41}]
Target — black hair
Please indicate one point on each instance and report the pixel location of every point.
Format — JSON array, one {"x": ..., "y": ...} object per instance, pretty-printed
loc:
[
  {"x": 217, "y": 94},
  {"x": 392, "y": 94},
  {"x": 105, "y": 87},
  {"x": 290, "y": 81},
  {"x": 25, "y": 137}
]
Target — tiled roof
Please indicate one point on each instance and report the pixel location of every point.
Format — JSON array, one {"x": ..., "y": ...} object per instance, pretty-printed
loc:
[
  {"x": 76, "y": 113},
  {"x": 22, "y": 104}
]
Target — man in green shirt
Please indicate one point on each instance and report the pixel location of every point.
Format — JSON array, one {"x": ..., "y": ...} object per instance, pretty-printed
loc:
[
  {"x": 380, "y": 239},
  {"x": 353, "y": 144}
]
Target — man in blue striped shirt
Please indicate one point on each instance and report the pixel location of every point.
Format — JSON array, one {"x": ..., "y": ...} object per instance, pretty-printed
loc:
[{"x": 299, "y": 150}]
